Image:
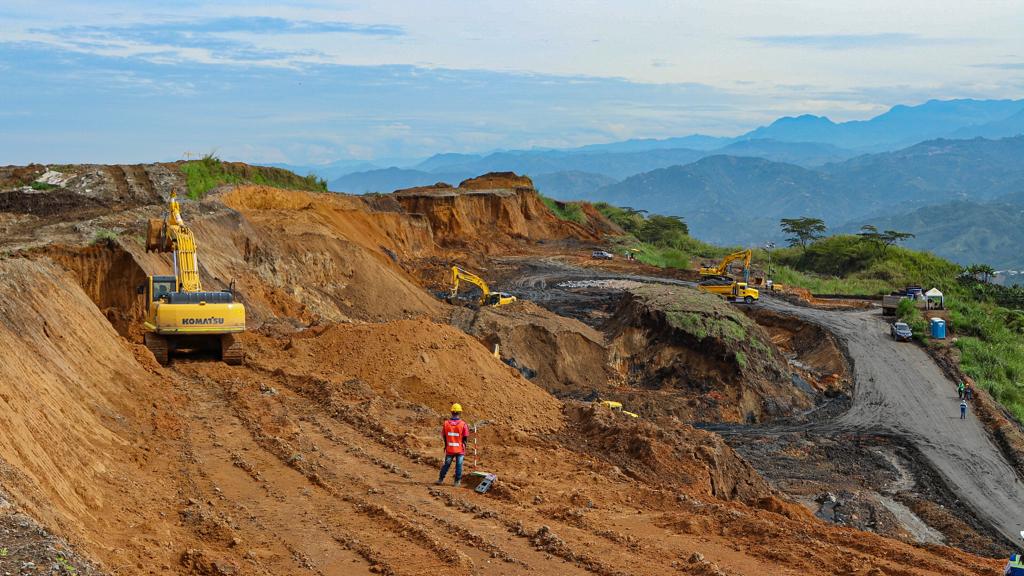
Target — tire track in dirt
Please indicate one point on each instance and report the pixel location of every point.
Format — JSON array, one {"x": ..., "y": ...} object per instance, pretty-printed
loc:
[
  {"x": 363, "y": 465},
  {"x": 262, "y": 493},
  {"x": 391, "y": 532}
]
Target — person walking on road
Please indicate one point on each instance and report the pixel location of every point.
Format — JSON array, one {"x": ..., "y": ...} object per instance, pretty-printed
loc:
[
  {"x": 969, "y": 392},
  {"x": 963, "y": 409},
  {"x": 960, "y": 390},
  {"x": 455, "y": 433},
  {"x": 1015, "y": 567}
]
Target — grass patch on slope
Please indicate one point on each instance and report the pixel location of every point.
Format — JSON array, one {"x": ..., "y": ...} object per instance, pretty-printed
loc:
[
  {"x": 661, "y": 241},
  {"x": 209, "y": 172},
  {"x": 849, "y": 265},
  {"x": 696, "y": 313},
  {"x": 568, "y": 211}
]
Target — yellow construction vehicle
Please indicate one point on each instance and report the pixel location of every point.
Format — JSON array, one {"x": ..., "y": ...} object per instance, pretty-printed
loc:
[
  {"x": 617, "y": 407},
  {"x": 722, "y": 269},
  {"x": 487, "y": 298},
  {"x": 730, "y": 289},
  {"x": 180, "y": 315}
]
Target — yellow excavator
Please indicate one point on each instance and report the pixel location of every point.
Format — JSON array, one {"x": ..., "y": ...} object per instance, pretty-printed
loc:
[
  {"x": 716, "y": 279},
  {"x": 180, "y": 315},
  {"x": 722, "y": 269},
  {"x": 487, "y": 298}
]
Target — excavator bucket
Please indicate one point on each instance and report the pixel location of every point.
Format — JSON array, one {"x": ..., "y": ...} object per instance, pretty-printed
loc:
[{"x": 156, "y": 238}]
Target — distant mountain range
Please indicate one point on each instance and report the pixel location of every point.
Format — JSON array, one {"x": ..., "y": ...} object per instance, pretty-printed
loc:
[
  {"x": 808, "y": 141},
  {"x": 736, "y": 200},
  {"x": 916, "y": 168},
  {"x": 963, "y": 231}
]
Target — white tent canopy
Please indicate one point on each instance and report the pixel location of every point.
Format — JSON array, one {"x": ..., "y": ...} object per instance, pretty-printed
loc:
[
  {"x": 934, "y": 292},
  {"x": 934, "y": 299}
]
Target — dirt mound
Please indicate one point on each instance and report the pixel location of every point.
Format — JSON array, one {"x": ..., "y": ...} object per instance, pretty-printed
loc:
[
  {"x": 79, "y": 413},
  {"x": 418, "y": 361},
  {"x": 497, "y": 180},
  {"x": 691, "y": 355},
  {"x": 45, "y": 204},
  {"x": 490, "y": 212},
  {"x": 18, "y": 176},
  {"x": 668, "y": 453},
  {"x": 564, "y": 356}
]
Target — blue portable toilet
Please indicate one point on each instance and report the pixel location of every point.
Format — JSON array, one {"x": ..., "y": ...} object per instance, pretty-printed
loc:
[{"x": 938, "y": 328}]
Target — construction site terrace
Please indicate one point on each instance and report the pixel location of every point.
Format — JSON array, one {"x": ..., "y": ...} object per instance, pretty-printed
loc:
[{"x": 777, "y": 437}]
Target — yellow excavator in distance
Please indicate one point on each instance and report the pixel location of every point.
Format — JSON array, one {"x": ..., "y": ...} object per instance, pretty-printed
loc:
[
  {"x": 487, "y": 298},
  {"x": 722, "y": 269},
  {"x": 716, "y": 279},
  {"x": 179, "y": 313}
]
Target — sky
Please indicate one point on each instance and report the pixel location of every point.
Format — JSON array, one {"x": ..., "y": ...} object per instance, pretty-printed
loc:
[{"x": 313, "y": 82}]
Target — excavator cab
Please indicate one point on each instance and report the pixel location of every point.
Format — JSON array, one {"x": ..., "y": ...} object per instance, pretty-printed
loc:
[{"x": 499, "y": 299}]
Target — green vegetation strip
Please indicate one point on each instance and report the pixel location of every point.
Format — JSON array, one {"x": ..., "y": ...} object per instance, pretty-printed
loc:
[
  {"x": 568, "y": 211},
  {"x": 209, "y": 172}
]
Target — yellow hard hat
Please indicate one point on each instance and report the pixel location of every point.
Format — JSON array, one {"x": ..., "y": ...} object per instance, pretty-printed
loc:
[{"x": 456, "y": 407}]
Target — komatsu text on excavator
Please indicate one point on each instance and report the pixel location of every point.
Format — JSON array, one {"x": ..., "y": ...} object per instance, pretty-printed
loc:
[
  {"x": 487, "y": 298},
  {"x": 179, "y": 313}
]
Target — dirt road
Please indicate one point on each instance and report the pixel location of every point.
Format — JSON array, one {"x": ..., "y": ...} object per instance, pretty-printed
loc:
[{"x": 901, "y": 391}]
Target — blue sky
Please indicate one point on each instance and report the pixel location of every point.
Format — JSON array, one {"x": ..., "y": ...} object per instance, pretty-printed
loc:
[{"x": 313, "y": 82}]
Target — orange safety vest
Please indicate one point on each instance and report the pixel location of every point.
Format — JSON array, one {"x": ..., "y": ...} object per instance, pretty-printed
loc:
[{"x": 454, "y": 432}]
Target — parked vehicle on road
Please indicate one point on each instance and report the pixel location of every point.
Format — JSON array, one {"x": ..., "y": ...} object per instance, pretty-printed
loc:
[
  {"x": 601, "y": 255},
  {"x": 901, "y": 331}
]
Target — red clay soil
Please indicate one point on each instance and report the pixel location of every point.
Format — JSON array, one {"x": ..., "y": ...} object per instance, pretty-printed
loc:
[{"x": 318, "y": 456}]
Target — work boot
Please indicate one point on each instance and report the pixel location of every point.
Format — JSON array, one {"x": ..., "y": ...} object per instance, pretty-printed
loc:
[
  {"x": 458, "y": 483},
  {"x": 439, "y": 483}
]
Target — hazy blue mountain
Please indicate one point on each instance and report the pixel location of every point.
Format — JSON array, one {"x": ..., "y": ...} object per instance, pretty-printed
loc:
[
  {"x": 807, "y": 154},
  {"x": 1011, "y": 126},
  {"x": 614, "y": 165},
  {"x": 938, "y": 170},
  {"x": 442, "y": 162},
  {"x": 728, "y": 199},
  {"x": 693, "y": 142},
  {"x": 898, "y": 127},
  {"x": 391, "y": 179},
  {"x": 962, "y": 231},
  {"x": 570, "y": 184},
  {"x": 740, "y": 200}
]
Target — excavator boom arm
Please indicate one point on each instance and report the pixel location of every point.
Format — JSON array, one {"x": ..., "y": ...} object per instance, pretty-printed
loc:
[
  {"x": 723, "y": 266},
  {"x": 171, "y": 235},
  {"x": 460, "y": 274}
]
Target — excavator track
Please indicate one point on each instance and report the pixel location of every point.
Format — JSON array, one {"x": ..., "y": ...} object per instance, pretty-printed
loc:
[
  {"x": 231, "y": 351},
  {"x": 157, "y": 344}
]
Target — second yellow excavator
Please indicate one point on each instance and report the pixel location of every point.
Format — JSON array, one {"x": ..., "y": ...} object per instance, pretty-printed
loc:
[
  {"x": 487, "y": 298},
  {"x": 722, "y": 269},
  {"x": 179, "y": 313}
]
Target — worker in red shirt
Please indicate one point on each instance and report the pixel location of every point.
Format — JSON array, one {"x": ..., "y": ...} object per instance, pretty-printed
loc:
[{"x": 455, "y": 433}]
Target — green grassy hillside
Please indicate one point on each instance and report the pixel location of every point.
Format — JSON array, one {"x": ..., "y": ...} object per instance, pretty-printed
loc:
[{"x": 209, "y": 172}]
